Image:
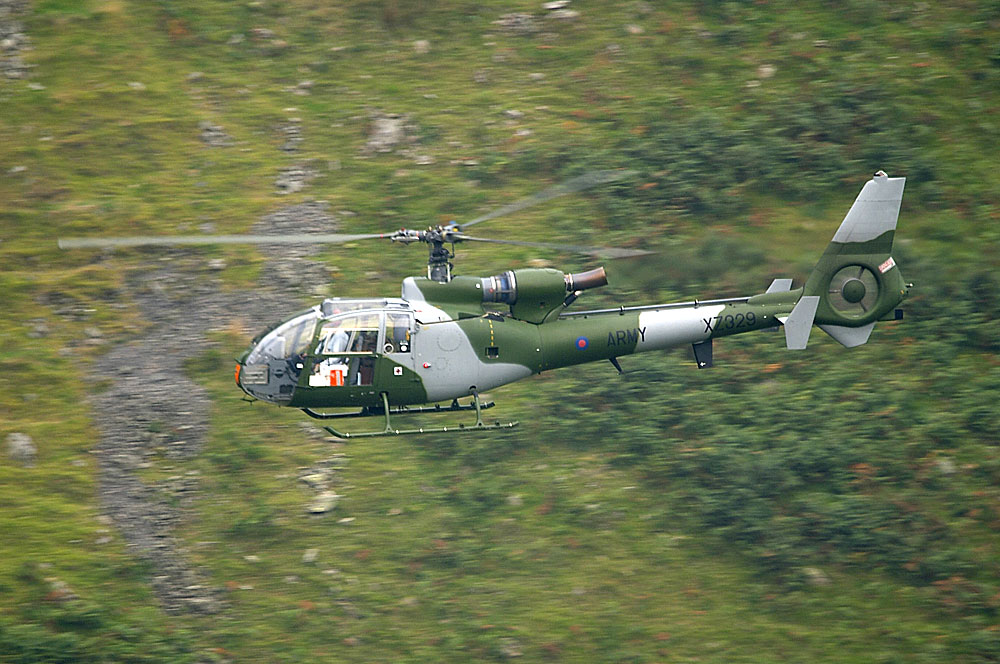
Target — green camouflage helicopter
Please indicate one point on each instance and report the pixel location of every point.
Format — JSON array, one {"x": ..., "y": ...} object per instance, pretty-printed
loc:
[{"x": 450, "y": 337}]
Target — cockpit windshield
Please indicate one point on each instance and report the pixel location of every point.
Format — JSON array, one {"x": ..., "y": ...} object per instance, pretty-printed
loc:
[{"x": 287, "y": 340}]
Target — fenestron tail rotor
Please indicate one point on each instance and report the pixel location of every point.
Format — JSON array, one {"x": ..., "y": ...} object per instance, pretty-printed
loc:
[{"x": 853, "y": 291}]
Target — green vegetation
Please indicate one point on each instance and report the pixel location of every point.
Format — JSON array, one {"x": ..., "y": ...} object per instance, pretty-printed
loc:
[{"x": 831, "y": 505}]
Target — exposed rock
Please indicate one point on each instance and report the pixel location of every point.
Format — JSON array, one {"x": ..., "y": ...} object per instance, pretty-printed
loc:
[
  {"x": 815, "y": 576},
  {"x": 13, "y": 41},
  {"x": 152, "y": 409},
  {"x": 213, "y": 135},
  {"x": 304, "y": 88},
  {"x": 315, "y": 480},
  {"x": 517, "y": 23},
  {"x": 39, "y": 329},
  {"x": 275, "y": 46},
  {"x": 766, "y": 71},
  {"x": 564, "y": 15},
  {"x": 59, "y": 591},
  {"x": 510, "y": 647},
  {"x": 262, "y": 33},
  {"x": 292, "y": 132},
  {"x": 310, "y": 556},
  {"x": 295, "y": 272},
  {"x": 946, "y": 466},
  {"x": 388, "y": 132},
  {"x": 324, "y": 502},
  {"x": 293, "y": 179},
  {"x": 21, "y": 449},
  {"x": 421, "y": 47}
]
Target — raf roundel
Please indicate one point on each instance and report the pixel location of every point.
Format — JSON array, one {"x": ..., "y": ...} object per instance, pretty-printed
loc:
[{"x": 582, "y": 343}]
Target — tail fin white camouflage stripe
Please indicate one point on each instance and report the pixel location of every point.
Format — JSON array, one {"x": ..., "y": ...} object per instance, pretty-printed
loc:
[{"x": 874, "y": 211}]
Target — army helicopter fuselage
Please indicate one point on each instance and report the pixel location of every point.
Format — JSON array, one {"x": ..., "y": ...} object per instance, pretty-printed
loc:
[{"x": 449, "y": 337}]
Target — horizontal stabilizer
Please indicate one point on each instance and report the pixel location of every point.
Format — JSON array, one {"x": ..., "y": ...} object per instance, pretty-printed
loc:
[
  {"x": 798, "y": 324},
  {"x": 849, "y": 336},
  {"x": 780, "y": 286}
]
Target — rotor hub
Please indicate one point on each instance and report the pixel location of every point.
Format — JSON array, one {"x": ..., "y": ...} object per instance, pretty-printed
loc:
[{"x": 854, "y": 290}]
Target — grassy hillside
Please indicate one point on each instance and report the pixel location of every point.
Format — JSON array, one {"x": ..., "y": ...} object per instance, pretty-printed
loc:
[{"x": 830, "y": 505}]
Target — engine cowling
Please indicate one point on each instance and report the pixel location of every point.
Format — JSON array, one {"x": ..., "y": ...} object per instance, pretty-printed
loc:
[{"x": 533, "y": 293}]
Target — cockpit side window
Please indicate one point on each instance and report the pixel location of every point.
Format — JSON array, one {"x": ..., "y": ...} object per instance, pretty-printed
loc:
[
  {"x": 333, "y": 338},
  {"x": 352, "y": 334},
  {"x": 343, "y": 337},
  {"x": 397, "y": 333}
]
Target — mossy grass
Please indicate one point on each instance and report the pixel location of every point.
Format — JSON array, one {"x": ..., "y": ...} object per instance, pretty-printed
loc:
[{"x": 835, "y": 506}]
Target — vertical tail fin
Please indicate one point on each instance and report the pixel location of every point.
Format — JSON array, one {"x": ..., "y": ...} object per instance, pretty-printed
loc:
[{"x": 856, "y": 280}]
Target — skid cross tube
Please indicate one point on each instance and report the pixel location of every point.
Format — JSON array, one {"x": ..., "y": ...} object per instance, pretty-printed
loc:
[{"x": 476, "y": 405}]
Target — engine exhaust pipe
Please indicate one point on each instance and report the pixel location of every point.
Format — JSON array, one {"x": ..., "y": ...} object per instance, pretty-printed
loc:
[{"x": 585, "y": 280}]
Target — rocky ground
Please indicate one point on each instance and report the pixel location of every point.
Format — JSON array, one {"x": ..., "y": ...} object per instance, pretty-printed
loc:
[
  {"x": 13, "y": 40},
  {"x": 151, "y": 409}
]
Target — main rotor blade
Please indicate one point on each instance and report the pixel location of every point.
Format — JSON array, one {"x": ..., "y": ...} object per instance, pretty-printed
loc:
[
  {"x": 178, "y": 240},
  {"x": 606, "y": 252},
  {"x": 585, "y": 181}
]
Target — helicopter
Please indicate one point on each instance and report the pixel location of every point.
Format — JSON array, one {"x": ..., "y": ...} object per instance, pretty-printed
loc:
[{"x": 449, "y": 337}]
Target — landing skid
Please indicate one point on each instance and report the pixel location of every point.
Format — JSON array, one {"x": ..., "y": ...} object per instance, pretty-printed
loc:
[{"x": 387, "y": 412}]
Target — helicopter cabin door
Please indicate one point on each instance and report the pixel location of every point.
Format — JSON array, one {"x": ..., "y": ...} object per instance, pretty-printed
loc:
[
  {"x": 365, "y": 352},
  {"x": 395, "y": 375},
  {"x": 346, "y": 351}
]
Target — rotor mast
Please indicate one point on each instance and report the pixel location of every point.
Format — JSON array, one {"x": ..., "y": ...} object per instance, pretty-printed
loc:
[{"x": 439, "y": 262}]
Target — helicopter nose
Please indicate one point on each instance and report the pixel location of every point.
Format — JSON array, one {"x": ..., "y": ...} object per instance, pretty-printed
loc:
[
  {"x": 266, "y": 379},
  {"x": 271, "y": 368}
]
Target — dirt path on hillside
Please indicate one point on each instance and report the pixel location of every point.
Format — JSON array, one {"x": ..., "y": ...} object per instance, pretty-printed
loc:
[{"x": 151, "y": 408}]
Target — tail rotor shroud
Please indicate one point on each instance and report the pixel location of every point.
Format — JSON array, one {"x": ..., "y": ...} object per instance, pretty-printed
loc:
[{"x": 854, "y": 290}]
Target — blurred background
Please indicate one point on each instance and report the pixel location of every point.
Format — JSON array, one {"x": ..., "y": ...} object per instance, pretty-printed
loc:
[{"x": 830, "y": 505}]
